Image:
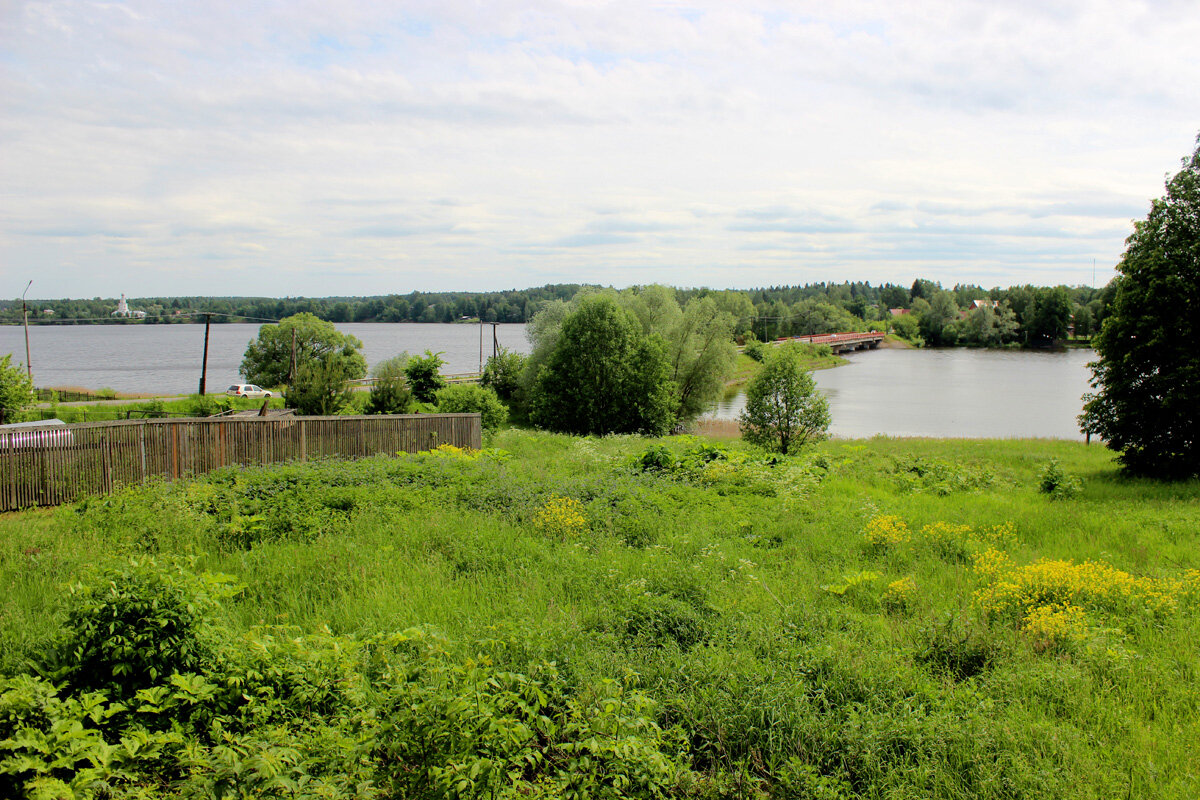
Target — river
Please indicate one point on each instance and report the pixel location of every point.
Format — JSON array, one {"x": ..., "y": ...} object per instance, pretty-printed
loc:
[
  {"x": 944, "y": 393},
  {"x": 166, "y": 359},
  {"x": 955, "y": 392}
]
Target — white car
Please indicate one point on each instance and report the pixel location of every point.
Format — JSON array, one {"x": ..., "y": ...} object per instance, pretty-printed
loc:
[{"x": 246, "y": 390}]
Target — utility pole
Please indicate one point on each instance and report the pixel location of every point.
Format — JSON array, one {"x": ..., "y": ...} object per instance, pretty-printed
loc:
[
  {"x": 25, "y": 318},
  {"x": 495, "y": 342},
  {"x": 292, "y": 368},
  {"x": 480, "y": 342},
  {"x": 204, "y": 363}
]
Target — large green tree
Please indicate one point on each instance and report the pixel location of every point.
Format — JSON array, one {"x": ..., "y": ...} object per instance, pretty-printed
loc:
[
  {"x": 268, "y": 359},
  {"x": 784, "y": 410},
  {"x": 603, "y": 375},
  {"x": 1147, "y": 379},
  {"x": 1051, "y": 316}
]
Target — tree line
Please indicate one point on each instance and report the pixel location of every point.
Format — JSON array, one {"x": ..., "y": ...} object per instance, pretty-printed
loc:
[{"x": 925, "y": 311}]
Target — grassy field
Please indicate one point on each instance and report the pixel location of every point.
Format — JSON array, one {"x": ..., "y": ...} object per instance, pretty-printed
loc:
[{"x": 617, "y": 617}]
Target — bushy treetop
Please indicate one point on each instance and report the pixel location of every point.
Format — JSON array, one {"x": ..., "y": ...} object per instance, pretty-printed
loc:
[{"x": 268, "y": 359}]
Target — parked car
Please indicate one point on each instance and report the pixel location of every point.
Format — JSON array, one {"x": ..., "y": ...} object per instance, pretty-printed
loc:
[{"x": 246, "y": 390}]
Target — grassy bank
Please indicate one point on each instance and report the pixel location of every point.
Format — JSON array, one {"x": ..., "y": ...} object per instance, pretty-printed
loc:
[
  {"x": 567, "y": 617},
  {"x": 193, "y": 406},
  {"x": 816, "y": 357}
]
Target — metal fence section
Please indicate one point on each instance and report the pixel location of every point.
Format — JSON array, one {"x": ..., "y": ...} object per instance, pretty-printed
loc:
[{"x": 51, "y": 466}]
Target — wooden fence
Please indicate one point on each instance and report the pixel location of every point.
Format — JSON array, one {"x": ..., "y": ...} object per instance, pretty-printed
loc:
[{"x": 50, "y": 466}]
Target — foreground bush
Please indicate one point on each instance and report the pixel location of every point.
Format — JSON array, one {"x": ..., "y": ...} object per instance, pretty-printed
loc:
[{"x": 467, "y": 398}]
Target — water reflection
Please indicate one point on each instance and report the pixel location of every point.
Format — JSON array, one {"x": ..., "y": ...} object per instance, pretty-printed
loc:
[{"x": 952, "y": 393}]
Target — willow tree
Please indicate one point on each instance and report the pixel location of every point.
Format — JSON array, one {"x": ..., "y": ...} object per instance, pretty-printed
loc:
[
  {"x": 301, "y": 339},
  {"x": 696, "y": 340},
  {"x": 1147, "y": 400}
]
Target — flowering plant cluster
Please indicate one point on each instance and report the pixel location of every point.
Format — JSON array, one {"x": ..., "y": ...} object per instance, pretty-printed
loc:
[
  {"x": 900, "y": 595},
  {"x": 886, "y": 531},
  {"x": 451, "y": 451},
  {"x": 1012, "y": 592},
  {"x": 889, "y": 531},
  {"x": 561, "y": 518},
  {"x": 1056, "y": 626}
]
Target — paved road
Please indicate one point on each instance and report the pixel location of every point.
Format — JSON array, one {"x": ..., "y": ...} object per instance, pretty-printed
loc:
[{"x": 123, "y": 401}]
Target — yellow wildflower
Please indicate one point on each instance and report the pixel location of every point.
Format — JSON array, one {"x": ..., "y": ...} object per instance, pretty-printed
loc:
[
  {"x": 1055, "y": 625},
  {"x": 992, "y": 563},
  {"x": 561, "y": 517},
  {"x": 1013, "y": 591},
  {"x": 451, "y": 451},
  {"x": 887, "y": 531},
  {"x": 900, "y": 595}
]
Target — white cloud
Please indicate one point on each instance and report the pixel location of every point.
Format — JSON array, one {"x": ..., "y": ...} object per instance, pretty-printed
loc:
[{"x": 313, "y": 148}]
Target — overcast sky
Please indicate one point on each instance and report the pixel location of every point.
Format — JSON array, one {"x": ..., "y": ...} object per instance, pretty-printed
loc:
[{"x": 321, "y": 148}]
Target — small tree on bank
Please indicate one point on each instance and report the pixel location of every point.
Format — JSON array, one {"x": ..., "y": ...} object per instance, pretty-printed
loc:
[
  {"x": 423, "y": 377},
  {"x": 502, "y": 373},
  {"x": 16, "y": 390},
  {"x": 783, "y": 411},
  {"x": 1147, "y": 380},
  {"x": 390, "y": 393},
  {"x": 321, "y": 388}
]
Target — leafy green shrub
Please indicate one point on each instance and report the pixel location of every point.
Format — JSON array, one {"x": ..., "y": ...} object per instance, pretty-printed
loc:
[
  {"x": 859, "y": 587},
  {"x": 755, "y": 349},
  {"x": 798, "y": 780},
  {"x": 502, "y": 373},
  {"x": 206, "y": 405},
  {"x": 1058, "y": 483},
  {"x": 136, "y": 626},
  {"x": 920, "y": 474},
  {"x": 53, "y": 748},
  {"x": 321, "y": 387},
  {"x": 16, "y": 390},
  {"x": 467, "y": 398},
  {"x": 655, "y": 458},
  {"x": 424, "y": 379},
  {"x": 451, "y": 728},
  {"x": 390, "y": 393},
  {"x": 653, "y": 620}
]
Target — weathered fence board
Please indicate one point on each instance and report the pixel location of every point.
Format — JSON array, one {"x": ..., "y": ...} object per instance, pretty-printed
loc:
[{"x": 50, "y": 466}]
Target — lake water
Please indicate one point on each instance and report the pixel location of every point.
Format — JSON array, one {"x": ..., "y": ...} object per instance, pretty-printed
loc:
[
  {"x": 166, "y": 359},
  {"x": 952, "y": 393},
  {"x": 945, "y": 393}
]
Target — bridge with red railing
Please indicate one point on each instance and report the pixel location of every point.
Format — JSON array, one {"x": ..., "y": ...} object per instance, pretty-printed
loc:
[{"x": 839, "y": 342}]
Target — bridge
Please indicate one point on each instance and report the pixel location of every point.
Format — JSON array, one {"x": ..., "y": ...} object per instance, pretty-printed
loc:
[{"x": 839, "y": 342}]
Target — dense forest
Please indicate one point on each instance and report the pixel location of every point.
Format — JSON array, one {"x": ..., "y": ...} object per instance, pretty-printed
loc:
[{"x": 924, "y": 311}]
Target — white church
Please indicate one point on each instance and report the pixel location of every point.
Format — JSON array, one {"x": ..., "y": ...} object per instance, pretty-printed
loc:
[{"x": 123, "y": 310}]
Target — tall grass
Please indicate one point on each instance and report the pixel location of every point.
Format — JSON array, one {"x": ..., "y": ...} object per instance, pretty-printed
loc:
[{"x": 799, "y": 646}]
